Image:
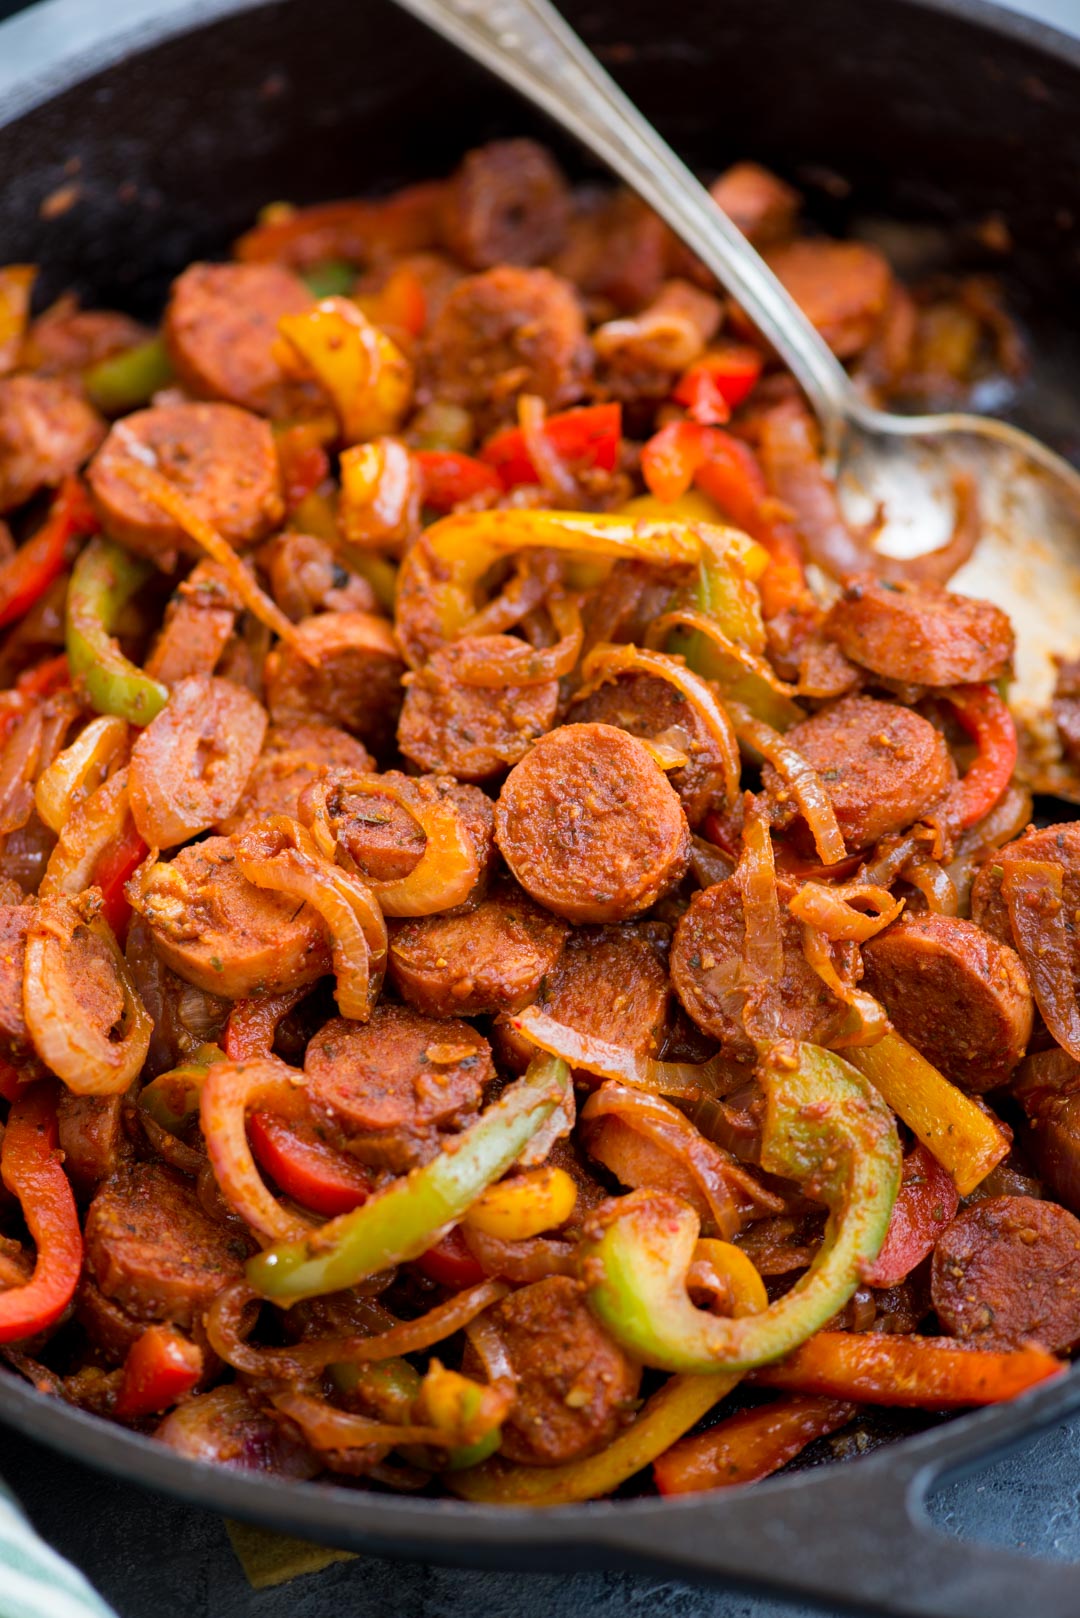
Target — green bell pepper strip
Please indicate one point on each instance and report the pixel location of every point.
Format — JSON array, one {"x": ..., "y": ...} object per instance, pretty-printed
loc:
[
  {"x": 172, "y": 1099},
  {"x": 103, "y": 581},
  {"x": 127, "y": 380},
  {"x": 733, "y": 603},
  {"x": 331, "y": 277},
  {"x": 827, "y": 1128},
  {"x": 412, "y": 1214},
  {"x": 393, "y": 1386}
]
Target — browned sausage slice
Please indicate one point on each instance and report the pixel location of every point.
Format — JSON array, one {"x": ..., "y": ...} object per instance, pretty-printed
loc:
[
  {"x": 1057, "y": 845},
  {"x": 842, "y": 287},
  {"x": 491, "y": 959},
  {"x": 706, "y": 972},
  {"x": 646, "y": 706},
  {"x": 198, "y": 623},
  {"x": 46, "y": 431},
  {"x": 1048, "y": 1088},
  {"x": 961, "y": 997},
  {"x": 190, "y": 766},
  {"x": 390, "y": 1085},
  {"x": 920, "y": 633},
  {"x": 758, "y": 201},
  {"x": 222, "y": 460},
  {"x": 1007, "y": 1272},
  {"x": 14, "y": 924},
  {"x": 152, "y": 1249},
  {"x": 220, "y": 327},
  {"x": 217, "y": 930},
  {"x": 882, "y": 765},
  {"x": 292, "y": 757},
  {"x": 590, "y": 826},
  {"x": 506, "y": 204},
  {"x": 471, "y": 731},
  {"x": 383, "y": 841},
  {"x": 91, "y": 1138},
  {"x": 353, "y": 678},
  {"x": 575, "y": 1386},
  {"x": 503, "y": 333}
]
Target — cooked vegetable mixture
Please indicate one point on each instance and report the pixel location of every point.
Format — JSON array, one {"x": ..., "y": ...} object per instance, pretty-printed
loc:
[{"x": 525, "y": 962}]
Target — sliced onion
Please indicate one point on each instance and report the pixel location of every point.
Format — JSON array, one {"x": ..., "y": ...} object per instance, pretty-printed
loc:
[
  {"x": 934, "y": 883},
  {"x": 867, "y": 1021},
  {"x": 552, "y": 473},
  {"x": 75, "y": 772},
  {"x": 534, "y": 575},
  {"x": 689, "y": 1080},
  {"x": 281, "y": 855},
  {"x": 606, "y": 662},
  {"x": 832, "y": 910},
  {"x": 531, "y": 1259},
  {"x": 701, "y": 622},
  {"x": 18, "y": 766},
  {"x": 804, "y": 781},
  {"x": 1032, "y": 890},
  {"x": 93, "y": 827},
  {"x": 502, "y": 660},
  {"x": 66, "y": 1035},
  {"x": 229, "y": 1092}
]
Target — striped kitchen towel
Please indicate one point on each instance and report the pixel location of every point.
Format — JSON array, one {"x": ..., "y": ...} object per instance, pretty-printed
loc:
[{"x": 34, "y": 1581}]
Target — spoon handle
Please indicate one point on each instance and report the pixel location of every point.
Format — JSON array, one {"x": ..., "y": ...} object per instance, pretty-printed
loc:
[{"x": 529, "y": 45}]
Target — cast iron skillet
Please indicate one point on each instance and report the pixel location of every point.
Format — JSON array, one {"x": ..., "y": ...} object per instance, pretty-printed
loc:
[{"x": 173, "y": 120}]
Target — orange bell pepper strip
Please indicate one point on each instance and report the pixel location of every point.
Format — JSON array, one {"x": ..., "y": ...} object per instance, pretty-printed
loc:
[
  {"x": 916, "y": 1372},
  {"x": 31, "y": 1170},
  {"x": 400, "y": 302},
  {"x": 26, "y": 576},
  {"x": 16, "y": 286},
  {"x": 926, "y": 1202},
  {"x": 305, "y": 1167},
  {"x": 45, "y": 679},
  {"x": 990, "y": 725},
  {"x": 448, "y": 477},
  {"x": 718, "y": 382},
  {"x": 750, "y": 1445},
  {"x": 162, "y": 1365},
  {"x": 587, "y": 437}
]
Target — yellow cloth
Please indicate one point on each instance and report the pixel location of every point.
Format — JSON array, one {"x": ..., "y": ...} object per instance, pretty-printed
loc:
[{"x": 268, "y": 1559}]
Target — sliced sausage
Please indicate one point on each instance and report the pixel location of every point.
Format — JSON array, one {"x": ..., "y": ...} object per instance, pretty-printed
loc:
[
  {"x": 707, "y": 972},
  {"x": 646, "y": 706},
  {"x": 882, "y": 766},
  {"x": 353, "y": 678},
  {"x": 507, "y": 203},
  {"x": 842, "y": 287},
  {"x": 758, "y": 202},
  {"x": 217, "y": 930},
  {"x": 590, "y": 825},
  {"x": 222, "y": 460},
  {"x": 46, "y": 432},
  {"x": 474, "y": 732},
  {"x": 66, "y": 338},
  {"x": 390, "y": 1085},
  {"x": 14, "y": 924},
  {"x": 152, "y": 1249},
  {"x": 1048, "y": 1088},
  {"x": 920, "y": 633},
  {"x": 292, "y": 757},
  {"x": 961, "y": 997},
  {"x": 190, "y": 766},
  {"x": 575, "y": 1386},
  {"x": 503, "y": 333},
  {"x": 198, "y": 624},
  {"x": 1066, "y": 706},
  {"x": 383, "y": 841},
  {"x": 1058, "y": 845},
  {"x": 225, "y": 1427},
  {"x": 220, "y": 328},
  {"x": 1006, "y": 1272},
  {"x": 491, "y": 959},
  {"x": 91, "y": 1138}
]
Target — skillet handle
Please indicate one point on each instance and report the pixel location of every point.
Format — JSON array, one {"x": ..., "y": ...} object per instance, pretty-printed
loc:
[{"x": 858, "y": 1534}]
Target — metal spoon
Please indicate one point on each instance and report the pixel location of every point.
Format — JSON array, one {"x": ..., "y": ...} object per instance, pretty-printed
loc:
[{"x": 1028, "y": 558}]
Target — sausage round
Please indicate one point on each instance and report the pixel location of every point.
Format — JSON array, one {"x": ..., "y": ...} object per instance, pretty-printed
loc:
[
  {"x": 66, "y": 338},
  {"x": 91, "y": 1138},
  {"x": 220, "y": 327},
  {"x": 506, "y": 204},
  {"x": 646, "y": 706},
  {"x": 353, "y": 679},
  {"x": 190, "y": 766},
  {"x": 842, "y": 288},
  {"x": 491, "y": 959},
  {"x": 474, "y": 732},
  {"x": 762, "y": 205},
  {"x": 1006, "y": 1271},
  {"x": 1048, "y": 1088},
  {"x": 14, "y": 923},
  {"x": 46, "y": 432},
  {"x": 198, "y": 624},
  {"x": 152, "y": 1249},
  {"x": 961, "y": 997},
  {"x": 1058, "y": 845},
  {"x": 575, "y": 1386},
  {"x": 706, "y": 972},
  {"x": 920, "y": 633},
  {"x": 217, "y": 930},
  {"x": 384, "y": 842},
  {"x": 882, "y": 766},
  {"x": 590, "y": 825},
  {"x": 292, "y": 757},
  {"x": 221, "y": 458},
  {"x": 506, "y": 332},
  {"x": 388, "y": 1086}
]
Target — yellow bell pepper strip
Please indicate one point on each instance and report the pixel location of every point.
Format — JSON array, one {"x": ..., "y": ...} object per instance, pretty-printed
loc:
[
  {"x": 825, "y": 1127},
  {"x": 367, "y": 377},
  {"x": 671, "y": 1412},
  {"x": 470, "y": 1413},
  {"x": 103, "y": 581},
  {"x": 16, "y": 285},
  {"x": 526, "y": 1205},
  {"x": 129, "y": 379},
  {"x": 964, "y": 1138},
  {"x": 410, "y": 1215}
]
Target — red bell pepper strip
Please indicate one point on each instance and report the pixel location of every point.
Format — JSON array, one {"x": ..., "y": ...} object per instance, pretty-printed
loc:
[
  {"x": 305, "y": 1167},
  {"x": 451, "y": 1263},
  {"x": 748, "y": 1446},
  {"x": 304, "y": 464},
  {"x": 31, "y": 1169},
  {"x": 449, "y": 477},
  {"x": 401, "y": 301},
  {"x": 26, "y": 576},
  {"x": 112, "y": 871},
  {"x": 11, "y": 1084},
  {"x": 161, "y": 1366},
  {"x": 252, "y": 1024},
  {"x": 916, "y": 1372},
  {"x": 587, "y": 437},
  {"x": 717, "y": 384},
  {"x": 45, "y": 679},
  {"x": 989, "y": 723},
  {"x": 926, "y": 1202}
]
